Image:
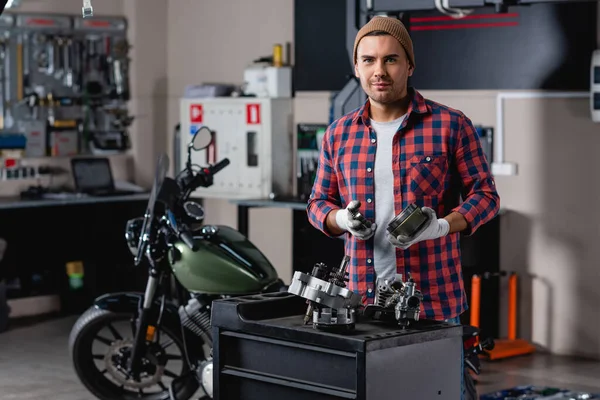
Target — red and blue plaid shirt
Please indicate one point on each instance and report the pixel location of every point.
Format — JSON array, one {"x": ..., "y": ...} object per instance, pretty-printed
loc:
[{"x": 437, "y": 160}]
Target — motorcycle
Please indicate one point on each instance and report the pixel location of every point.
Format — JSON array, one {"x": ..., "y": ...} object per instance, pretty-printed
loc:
[{"x": 157, "y": 345}]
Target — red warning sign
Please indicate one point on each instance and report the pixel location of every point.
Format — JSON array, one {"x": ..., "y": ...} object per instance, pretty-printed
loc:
[
  {"x": 196, "y": 113},
  {"x": 253, "y": 114}
]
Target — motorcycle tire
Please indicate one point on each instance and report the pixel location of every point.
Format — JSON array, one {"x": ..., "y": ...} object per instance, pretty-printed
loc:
[{"x": 80, "y": 345}]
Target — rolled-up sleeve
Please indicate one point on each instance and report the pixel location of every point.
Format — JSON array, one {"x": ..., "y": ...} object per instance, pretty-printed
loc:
[
  {"x": 481, "y": 200},
  {"x": 324, "y": 195}
]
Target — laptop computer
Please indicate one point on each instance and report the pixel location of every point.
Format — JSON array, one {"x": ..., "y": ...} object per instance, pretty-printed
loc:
[{"x": 93, "y": 176}]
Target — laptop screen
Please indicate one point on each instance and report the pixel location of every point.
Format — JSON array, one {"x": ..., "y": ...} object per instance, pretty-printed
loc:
[{"x": 92, "y": 174}]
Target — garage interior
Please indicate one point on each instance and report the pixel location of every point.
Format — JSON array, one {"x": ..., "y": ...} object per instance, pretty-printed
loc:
[{"x": 101, "y": 101}]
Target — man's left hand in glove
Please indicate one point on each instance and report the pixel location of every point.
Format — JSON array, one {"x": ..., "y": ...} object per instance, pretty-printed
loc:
[{"x": 435, "y": 228}]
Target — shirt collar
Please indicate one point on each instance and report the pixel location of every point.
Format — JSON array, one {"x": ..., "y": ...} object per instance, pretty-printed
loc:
[{"x": 417, "y": 105}]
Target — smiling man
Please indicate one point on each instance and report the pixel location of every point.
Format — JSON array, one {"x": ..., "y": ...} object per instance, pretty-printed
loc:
[{"x": 397, "y": 149}]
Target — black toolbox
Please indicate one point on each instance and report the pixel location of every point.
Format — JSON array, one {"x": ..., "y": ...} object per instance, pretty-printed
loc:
[{"x": 262, "y": 350}]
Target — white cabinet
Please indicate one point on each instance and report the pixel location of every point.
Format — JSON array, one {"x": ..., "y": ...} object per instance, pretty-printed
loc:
[{"x": 255, "y": 134}]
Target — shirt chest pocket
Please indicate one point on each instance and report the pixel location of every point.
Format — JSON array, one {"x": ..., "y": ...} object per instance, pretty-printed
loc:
[{"x": 427, "y": 174}]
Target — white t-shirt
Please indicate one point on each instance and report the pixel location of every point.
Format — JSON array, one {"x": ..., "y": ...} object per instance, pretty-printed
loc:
[{"x": 384, "y": 253}]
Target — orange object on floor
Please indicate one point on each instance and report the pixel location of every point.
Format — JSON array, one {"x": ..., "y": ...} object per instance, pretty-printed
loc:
[{"x": 511, "y": 346}]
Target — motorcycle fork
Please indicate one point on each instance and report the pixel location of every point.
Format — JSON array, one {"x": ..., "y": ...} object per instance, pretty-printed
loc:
[{"x": 146, "y": 311}]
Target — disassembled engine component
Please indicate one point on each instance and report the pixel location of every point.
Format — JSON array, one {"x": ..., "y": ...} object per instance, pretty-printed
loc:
[
  {"x": 395, "y": 301},
  {"x": 408, "y": 222},
  {"x": 408, "y": 306},
  {"x": 325, "y": 318},
  {"x": 330, "y": 303},
  {"x": 357, "y": 215},
  {"x": 386, "y": 289}
]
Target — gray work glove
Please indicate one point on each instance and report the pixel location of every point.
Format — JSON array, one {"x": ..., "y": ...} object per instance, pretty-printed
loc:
[
  {"x": 433, "y": 229},
  {"x": 351, "y": 220}
]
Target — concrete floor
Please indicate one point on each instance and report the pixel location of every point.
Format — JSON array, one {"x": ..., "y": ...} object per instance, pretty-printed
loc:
[{"x": 35, "y": 364}]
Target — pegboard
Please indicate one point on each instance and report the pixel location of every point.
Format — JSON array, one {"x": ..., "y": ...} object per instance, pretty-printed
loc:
[{"x": 65, "y": 83}]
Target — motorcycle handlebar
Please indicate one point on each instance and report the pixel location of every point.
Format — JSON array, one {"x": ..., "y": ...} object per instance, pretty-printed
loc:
[
  {"x": 219, "y": 166},
  {"x": 204, "y": 177}
]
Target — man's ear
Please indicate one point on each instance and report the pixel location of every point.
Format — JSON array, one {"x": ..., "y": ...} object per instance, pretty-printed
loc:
[
  {"x": 356, "y": 70},
  {"x": 411, "y": 69}
]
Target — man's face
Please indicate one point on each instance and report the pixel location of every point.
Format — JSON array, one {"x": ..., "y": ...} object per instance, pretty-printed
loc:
[{"x": 383, "y": 68}]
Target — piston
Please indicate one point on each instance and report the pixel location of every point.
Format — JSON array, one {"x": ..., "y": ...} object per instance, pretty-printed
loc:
[{"x": 408, "y": 222}]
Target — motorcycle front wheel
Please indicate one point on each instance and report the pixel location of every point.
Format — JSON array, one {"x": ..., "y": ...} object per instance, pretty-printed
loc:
[{"x": 100, "y": 344}]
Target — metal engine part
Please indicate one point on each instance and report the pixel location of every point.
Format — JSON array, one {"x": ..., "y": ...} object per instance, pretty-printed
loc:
[
  {"x": 330, "y": 303},
  {"x": 386, "y": 289},
  {"x": 408, "y": 222},
  {"x": 194, "y": 317},
  {"x": 327, "y": 317},
  {"x": 408, "y": 306},
  {"x": 395, "y": 301}
]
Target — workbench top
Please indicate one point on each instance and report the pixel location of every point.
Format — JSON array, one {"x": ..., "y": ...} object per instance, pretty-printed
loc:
[{"x": 67, "y": 199}]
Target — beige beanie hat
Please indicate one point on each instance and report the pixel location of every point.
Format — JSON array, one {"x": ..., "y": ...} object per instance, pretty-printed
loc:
[{"x": 392, "y": 26}]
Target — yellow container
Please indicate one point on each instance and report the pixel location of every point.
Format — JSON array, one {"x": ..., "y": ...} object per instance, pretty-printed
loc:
[{"x": 278, "y": 55}]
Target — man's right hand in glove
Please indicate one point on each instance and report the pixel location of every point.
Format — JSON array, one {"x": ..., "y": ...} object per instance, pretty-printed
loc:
[{"x": 351, "y": 220}]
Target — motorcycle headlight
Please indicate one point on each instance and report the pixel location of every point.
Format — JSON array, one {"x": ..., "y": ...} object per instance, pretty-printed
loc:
[{"x": 133, "y": 230}]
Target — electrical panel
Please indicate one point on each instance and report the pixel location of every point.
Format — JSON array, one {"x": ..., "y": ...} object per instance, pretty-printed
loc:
[
  {"x": 255, "y": 134},
  {"x": 65, "y": 83}
]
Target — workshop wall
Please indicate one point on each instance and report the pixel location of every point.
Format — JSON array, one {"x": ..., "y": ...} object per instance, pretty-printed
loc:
[{"x": 148, "y": 37}]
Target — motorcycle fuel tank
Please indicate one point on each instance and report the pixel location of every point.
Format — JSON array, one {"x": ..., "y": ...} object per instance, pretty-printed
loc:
[{"x": 226, "y": 262}]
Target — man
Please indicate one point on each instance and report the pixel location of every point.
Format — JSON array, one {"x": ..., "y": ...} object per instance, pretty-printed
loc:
[{"x": 398, "y": 149}]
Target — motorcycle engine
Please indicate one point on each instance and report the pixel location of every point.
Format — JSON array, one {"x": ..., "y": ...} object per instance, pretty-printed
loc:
[{"x": 195, "y": 316}]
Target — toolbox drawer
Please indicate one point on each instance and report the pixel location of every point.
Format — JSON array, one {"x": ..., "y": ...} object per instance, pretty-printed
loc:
[
  {"x": 262, "y": 388},
  {"x": 289, "y": 360}
]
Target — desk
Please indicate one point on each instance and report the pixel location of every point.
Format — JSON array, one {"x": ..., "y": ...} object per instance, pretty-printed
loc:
[
  {"x": 17, "y": 203},
  {"x": 244, "y": 206},
  {"x": 43, "y": 235}
]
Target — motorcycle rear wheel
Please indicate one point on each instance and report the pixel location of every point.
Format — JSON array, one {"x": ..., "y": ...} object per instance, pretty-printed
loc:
[{"x": 86, "y": 332}]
